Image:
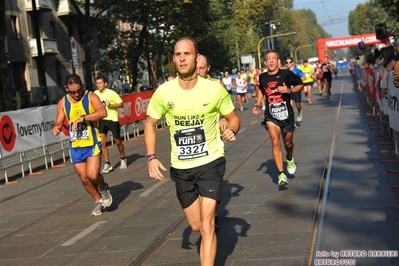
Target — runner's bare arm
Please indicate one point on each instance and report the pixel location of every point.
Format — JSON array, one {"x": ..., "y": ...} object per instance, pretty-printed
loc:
[
  {"x": 150, "y": 138},
  {"x": 233, "y": 127},
  {"x": 59, "y": 119}
]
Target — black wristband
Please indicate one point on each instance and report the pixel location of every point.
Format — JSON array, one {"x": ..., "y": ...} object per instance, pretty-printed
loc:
[
  {"x": 233, "y": 131},
  {"x": 84, "y": 118}
]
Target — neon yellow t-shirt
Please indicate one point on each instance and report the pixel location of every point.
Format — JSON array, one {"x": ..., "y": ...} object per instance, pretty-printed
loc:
[
  {"x": 308, "y": 71},
  {"x": 213, "y": 79},
  {"x": 113, "y": 98},
  {"x": 244, "y": 76},
  {"x": 252, "y": 78},
  {"x": 192, "y": 117}
]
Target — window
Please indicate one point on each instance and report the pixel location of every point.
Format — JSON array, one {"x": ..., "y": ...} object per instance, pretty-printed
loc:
[
  {"x": 53, "y": 31},
  {"x": 16, "y": 33},
  {"x": 70, "y": 30},
  {"x": 32, "y": 28},
  {"x": 58, "y": 72}
]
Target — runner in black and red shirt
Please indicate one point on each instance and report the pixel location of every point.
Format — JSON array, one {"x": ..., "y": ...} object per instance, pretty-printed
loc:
[{"x": 277, "y": 85}]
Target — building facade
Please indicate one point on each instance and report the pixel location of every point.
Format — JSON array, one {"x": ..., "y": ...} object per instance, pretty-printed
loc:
[{"x": 43, "y": 44}]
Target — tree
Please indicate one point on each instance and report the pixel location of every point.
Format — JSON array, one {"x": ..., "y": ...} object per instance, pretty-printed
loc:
[
  {"x": 5, "y": 84},
  {"x": 308, "y": 31},
  {"x": 87, "y": 18},
  {"x": 154, "y": 27},
  {"x": 363, "y": 19},
  {"x": 391, "y": 7},
  {"x": 224, "y": 30}
]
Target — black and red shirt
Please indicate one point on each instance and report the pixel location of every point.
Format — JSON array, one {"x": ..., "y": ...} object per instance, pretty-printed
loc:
[{"x": 278, "y": 104}]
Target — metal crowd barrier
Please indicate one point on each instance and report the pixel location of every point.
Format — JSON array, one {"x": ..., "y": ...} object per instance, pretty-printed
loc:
[{"x": 128, "y": 132}]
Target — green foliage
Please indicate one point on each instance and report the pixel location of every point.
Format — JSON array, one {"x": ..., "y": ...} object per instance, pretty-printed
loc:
[
  {"x": 18, "y": 99},
  {"x": 224, "y": 29},
  {"x": 391, "y": 8},
  {"x": 363, "y": 19}
]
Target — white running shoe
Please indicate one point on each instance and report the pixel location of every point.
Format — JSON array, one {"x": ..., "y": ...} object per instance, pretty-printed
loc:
[
  {"x": 107, "y": 168},
  {"x": 291, "y": 166},
  {"x": 299, "y": 116},
  {"x": 106, "y": 196},
  {"x": 123, "y": 164},
  {"x": 98, "y": 209},
  {"x": 282, "y": 180}
]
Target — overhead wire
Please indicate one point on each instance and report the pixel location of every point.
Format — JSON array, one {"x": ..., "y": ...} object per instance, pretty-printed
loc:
[{"x": 325, "y": 9}]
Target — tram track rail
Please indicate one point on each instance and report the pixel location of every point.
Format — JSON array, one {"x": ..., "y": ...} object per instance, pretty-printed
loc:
[{"x": 322, "y": 195}]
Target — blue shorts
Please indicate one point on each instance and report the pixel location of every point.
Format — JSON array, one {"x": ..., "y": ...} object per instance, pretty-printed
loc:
[{"x": 79, "y": 155}]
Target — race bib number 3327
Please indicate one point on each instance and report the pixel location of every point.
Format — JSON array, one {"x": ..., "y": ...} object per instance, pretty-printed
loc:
[{"x": 191, "y": 143}]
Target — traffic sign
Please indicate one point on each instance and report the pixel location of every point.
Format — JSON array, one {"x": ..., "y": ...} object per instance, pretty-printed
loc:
[{"x": 246, "y": 59}]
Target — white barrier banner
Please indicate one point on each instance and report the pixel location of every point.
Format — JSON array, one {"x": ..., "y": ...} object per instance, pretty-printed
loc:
[
  {"x": 26, "y": 129},
  {"x": 378, "y": 88},
  {"x": 393, "y": 96},
  {"x": 384, "y": 92}
]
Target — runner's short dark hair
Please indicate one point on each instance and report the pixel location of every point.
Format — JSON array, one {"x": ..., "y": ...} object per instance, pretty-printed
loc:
[
  {"x": 102, "y": 77},
  {"x": 73, "y": 79}
]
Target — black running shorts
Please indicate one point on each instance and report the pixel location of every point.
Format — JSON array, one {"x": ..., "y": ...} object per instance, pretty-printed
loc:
[
  {"x": 286, "y": 125},
  {"x": 205, "y": 180},
  {"x": 107, "y": 125},
  {"x": 296, "y": 96}
]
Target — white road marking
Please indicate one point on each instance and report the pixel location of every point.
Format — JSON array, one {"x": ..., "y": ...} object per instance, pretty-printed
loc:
[
  {"x": 82, "y": 234},
  {"x": 152, "y": 188}
]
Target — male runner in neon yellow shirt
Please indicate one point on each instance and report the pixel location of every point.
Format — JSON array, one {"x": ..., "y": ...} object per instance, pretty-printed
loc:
[
  {"x": 112, "y": 101},
  {"x": 308, "y": 81},
  {"x": 192, "y": 106}
]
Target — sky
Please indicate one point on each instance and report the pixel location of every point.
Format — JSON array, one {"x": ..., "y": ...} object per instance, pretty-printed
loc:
[{"x": 332, "y": 15}]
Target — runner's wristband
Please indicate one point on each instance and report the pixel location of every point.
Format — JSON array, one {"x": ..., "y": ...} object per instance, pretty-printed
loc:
[
  {"x": 233, "y": 131},
  {"x": 151, "y": 156}
]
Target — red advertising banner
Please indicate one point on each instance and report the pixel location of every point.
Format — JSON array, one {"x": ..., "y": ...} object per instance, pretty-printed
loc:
[{"x": 134, "y": 107}]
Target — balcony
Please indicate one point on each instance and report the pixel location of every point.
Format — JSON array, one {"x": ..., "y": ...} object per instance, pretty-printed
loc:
[
  {"x": 49, "y": 47},
  {"x": 42, "y": 5},
  {"x": 65, "y": 8}
]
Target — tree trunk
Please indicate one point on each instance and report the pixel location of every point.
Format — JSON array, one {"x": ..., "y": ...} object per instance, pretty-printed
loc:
[
  {"x": 136, "y": 55},
  {"x": 87, "y": 40},
  {"x": 5, "y": 84}
]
